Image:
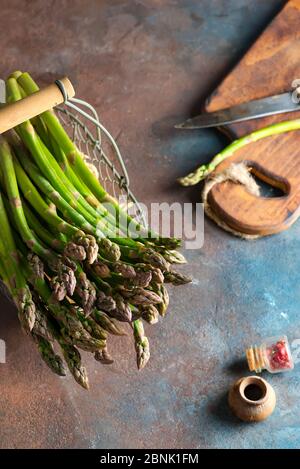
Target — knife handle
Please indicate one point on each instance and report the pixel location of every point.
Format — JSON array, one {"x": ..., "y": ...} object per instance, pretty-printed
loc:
[{"x": 15, "y": 113}]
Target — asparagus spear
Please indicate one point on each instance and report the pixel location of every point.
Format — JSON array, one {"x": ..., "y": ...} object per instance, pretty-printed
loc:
[
  {"x": 71, "y": 355},
  {"x": 13, "y": 276},
  {"x": 46, "y": 350},
  {"x": 173, "y": 257},
  {"x": 73, "y": 360},
  {"x": 58, "y": 244},
  {"x": 40, "y": 327},
  {"x": 203, "y": 171},
  {"x": 176, "y": 278},
  {"x": 103, "y": 357},
  {"x": 122, "y": 312},
  {"x": 140, "y": 296},
  {"x": 107, "y": 323},
  {"x": 105, "y": 302},
  {"x": 150, "y": 314},
  {"x": 74, "y": 179},
  {"x": 141, "y": 344},
  {"x": 86, "y": 291},
  {"x": 94, "y": 329},
  {"x": 146, "y": 255},
  {"x": 162, "y": 292}
]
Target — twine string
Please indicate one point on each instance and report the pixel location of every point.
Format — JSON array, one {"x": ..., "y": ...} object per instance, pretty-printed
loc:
[{"x": 238, "y": 173}]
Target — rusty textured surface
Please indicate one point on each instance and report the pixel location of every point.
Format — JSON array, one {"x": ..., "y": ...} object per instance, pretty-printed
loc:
[
  {"x": 145, "y": 65},
  {"x": 270, "y": 64}
]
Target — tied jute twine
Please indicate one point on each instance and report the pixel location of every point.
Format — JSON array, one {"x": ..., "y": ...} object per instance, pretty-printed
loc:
[{"x": 238, "y": 173}]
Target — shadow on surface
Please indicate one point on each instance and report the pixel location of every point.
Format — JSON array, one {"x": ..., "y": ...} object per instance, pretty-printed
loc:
[
  {"x": 222, "y": 412},
  {"x": 9, "y": 319},
  {"x": 237, "y": 367}
]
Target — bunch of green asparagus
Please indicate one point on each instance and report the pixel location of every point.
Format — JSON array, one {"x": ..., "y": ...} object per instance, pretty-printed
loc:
[{"x": 69, "y": 254}]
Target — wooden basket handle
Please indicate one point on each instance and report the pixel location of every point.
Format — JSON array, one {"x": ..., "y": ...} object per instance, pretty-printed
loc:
[{"x": 20, "y": 111}]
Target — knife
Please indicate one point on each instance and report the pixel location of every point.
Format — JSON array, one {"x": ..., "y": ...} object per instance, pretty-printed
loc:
[{"x": 278, "y": 104}]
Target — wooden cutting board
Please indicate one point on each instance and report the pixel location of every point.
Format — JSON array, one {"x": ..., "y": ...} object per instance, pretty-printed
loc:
[{"x": 269, "y": 67}]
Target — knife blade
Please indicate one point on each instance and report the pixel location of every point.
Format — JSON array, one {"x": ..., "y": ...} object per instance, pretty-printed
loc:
[{"x": 255, "y": 109}]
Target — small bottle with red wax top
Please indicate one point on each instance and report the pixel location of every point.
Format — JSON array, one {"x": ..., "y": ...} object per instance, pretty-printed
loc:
[{"x": 273, "y": 354}]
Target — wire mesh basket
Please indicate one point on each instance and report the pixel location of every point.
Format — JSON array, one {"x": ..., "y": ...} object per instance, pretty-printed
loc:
[{"x": 100, "y": 151}]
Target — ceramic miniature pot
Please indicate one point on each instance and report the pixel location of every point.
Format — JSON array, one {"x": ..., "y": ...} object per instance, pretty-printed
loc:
[{"x": 252, "y": 399}]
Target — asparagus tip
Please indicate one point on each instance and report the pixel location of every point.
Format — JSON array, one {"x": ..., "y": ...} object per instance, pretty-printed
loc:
[
  {"x": 104, "y": 357},
  {"x": 75, "y": 251}
]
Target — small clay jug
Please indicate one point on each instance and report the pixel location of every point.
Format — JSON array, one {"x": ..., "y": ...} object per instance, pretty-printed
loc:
[{"x": 252, "y": 399}]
